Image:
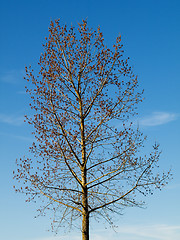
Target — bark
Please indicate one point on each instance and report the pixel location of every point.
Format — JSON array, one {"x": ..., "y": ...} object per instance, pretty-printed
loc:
[
  {"x": 85, "y": 215},
  {"x": 85, "y": 210}
]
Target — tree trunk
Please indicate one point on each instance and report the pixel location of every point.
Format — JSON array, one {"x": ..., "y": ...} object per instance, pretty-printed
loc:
[
  {"x": 85, "y": 210},
  {"x": 85, "y": 225}
]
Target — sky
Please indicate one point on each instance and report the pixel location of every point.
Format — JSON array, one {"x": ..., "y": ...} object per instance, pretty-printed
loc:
[{"x": 150, "y": 31}]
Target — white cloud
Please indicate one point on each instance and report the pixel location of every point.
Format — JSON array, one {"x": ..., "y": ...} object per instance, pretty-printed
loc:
[
  {"x": 12, "y": 120},
  {"x": 46, "y": 238},
  {"x": 151, "y": 232},
  {"x": 128, "y": 232},
  {"x": 157, "y": 118},
  {"x": 66, "y": 237}
]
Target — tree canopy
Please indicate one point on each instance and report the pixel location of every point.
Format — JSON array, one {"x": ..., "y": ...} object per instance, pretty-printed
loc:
[{"x": 88, "y": 155}]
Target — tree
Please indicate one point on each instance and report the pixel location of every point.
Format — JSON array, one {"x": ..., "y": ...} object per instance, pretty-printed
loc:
[{"x": 87, "y": 158}]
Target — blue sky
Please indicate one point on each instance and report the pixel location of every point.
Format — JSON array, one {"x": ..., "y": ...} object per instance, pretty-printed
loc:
[{"x": 151, "y": 36}]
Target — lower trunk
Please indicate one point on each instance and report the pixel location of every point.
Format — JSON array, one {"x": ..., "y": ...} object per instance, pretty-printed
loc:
[
  {"x": 85, "y": 210},
  {"x": 85, "y": 226}
]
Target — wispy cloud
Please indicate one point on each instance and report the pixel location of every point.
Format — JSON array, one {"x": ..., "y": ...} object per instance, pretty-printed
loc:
[
  {"x": 66, "y": 237},
  {"x": 157, "y": 118},
  {"x": 153, "y": 232},
  {"x": 173, "y": 186},
  {"x": 22, "y": 92},
  {"x": 23, "y": 138},
  {"x": 46, "y": 238},
  {"x": 12, "y": 76},
  {"x": 11, "y": 119},
  {"x": 130, "y": 232}
]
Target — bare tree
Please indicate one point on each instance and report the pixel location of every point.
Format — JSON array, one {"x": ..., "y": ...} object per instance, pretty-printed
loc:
[{"x": 87, "y": 158}]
